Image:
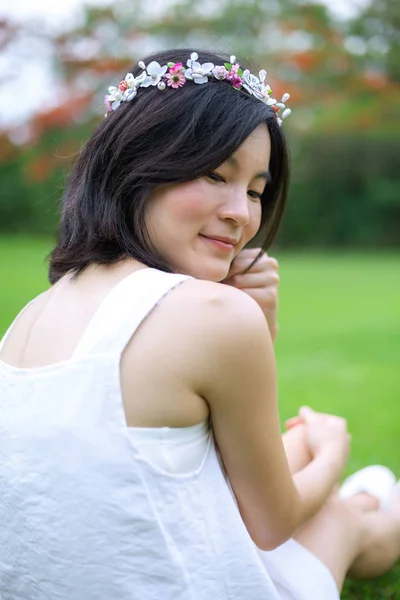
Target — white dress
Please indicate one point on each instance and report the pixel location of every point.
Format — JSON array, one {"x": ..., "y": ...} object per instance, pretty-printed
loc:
[{"x": 90, "y": 511}]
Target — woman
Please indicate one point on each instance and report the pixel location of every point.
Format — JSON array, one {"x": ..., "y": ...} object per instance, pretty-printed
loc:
[{"x": 112, "y": 481}]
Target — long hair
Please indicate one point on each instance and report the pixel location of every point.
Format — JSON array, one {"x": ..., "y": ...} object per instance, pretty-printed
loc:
[{"x": 169, "y": 136}]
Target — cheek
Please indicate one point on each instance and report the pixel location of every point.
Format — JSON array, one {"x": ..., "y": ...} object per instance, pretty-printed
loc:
[
  {"x": 255, "y": 221},
  {"x": 189, "y": 203}
]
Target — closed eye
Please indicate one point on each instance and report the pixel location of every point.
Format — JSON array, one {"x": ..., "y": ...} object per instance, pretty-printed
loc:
[
  {"x": 215, "y": 177},
  {"x": 255, "y": 195},
  {"x": 219, "y": 179}
]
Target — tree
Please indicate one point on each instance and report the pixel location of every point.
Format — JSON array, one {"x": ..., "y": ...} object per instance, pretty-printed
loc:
[{"x": 342, "y": 97}]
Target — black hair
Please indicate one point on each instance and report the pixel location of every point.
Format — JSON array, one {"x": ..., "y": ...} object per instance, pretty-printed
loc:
[{"x": 159, "y": 137}]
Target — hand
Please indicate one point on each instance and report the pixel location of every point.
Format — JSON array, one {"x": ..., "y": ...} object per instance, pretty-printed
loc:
[
  {"x": 260, "y": 282},
  {"x": 325, "y": 433}
]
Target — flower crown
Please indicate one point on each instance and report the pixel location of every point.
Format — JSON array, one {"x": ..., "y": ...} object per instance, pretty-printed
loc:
[{"x": 175, "y": 75}]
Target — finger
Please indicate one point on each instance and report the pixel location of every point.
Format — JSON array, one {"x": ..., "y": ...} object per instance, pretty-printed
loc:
[
  {"x": 293, "y": 421},
  {"x": 254, "y": 280},
  {"x": 308, "y": 414},
  {"x": 243, "y": 262},
  {"x": 250, "y": 252},
  {"x": 263, "y": 264}
]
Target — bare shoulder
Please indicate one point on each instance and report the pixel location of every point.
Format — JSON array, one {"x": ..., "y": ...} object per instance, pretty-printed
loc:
[
  {"x": 218, "y": 330},
  {"x": 216, "y": 307}
]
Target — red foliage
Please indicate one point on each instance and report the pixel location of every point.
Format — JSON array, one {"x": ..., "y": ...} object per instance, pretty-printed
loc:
[
  {"x": 376, "y": 81},
  {"x": 100, "y": 65},
  {"x": 61, "y": 116},
  {"x": 39, "y": 168},
  {"x": 67, "y": 151},
  {"x": 306, "y": 61}
]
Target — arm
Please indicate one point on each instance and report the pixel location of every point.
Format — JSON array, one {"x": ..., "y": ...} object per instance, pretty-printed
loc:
[
  {"x": 318, "y": 477},
  {"x": 238, "y": 380},
  {"x": 316, "y": 481},
  {"x": 316, "y": 458}
]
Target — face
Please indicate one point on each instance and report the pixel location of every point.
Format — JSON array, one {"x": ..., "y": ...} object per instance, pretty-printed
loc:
[{"x": 200, "y": 226}]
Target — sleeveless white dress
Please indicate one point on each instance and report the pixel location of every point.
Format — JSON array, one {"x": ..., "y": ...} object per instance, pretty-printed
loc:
[{"x": 84, "y": 513}]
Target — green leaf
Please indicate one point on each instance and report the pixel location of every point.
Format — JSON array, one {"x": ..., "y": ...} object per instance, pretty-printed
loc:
[
  {"x": 228, "y": 66},
  {"x": 170, "y": 65},
  {"x": 240, "y": 72}
]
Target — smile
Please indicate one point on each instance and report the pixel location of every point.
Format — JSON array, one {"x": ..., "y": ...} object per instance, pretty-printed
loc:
[{"x": 224, "y": 246}]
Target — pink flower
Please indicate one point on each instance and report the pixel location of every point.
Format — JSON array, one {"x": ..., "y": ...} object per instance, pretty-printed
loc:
[
  {"x": 123, "y": 86},
  {"x": 176, "y": 68},
  {"x": 107, "y": 103},
  {"x": 237, "y": 81},
  {"x": 233, "y": 72},
  {"x": 175, "y": 80},
  {"x": 220, "y": 72}
]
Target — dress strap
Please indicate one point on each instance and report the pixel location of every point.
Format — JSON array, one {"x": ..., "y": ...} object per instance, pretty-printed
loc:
[{"x": 123, "y": 310}]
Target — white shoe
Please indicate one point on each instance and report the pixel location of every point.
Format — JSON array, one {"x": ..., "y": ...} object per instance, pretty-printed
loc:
[
  {"x": 376, "y": 480},
  {"x": 395, "y": 492}
]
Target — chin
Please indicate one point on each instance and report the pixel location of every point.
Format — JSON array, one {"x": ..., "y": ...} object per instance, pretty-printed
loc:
[{"x": 213, "y": 271}]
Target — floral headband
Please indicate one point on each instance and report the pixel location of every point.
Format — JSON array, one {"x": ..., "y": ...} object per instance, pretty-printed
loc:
[{"x": 175, "y": 75}]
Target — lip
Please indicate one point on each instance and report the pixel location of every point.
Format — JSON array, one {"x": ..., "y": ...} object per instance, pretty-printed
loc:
[
  {"x": 226, "y": 240},
  {"x": 220, "y": 243}
]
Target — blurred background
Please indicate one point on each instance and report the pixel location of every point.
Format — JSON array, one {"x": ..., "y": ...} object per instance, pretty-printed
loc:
[
  {"x": 340, "y": 61},
  {"x": 339, "y": 343}
]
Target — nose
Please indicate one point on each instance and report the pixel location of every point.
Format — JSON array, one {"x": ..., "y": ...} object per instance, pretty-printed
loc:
[{"x": 235, "y": 207}]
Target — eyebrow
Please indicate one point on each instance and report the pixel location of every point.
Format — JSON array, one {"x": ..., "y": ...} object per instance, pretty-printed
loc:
[{"x": 262, "y": 175}]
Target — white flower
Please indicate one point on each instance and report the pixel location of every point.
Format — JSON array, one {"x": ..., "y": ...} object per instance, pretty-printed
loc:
[
  {"x": 142, "y": 65},
  {"x": 262, "y": 75},
  {"x": 130, "y": 80},
  {"x": 285, "y": 97},
  {"x": 115, "y": 97},
  {"x": 161, "y": 85},
  {"x": 130, "y": 94},
  {"x": 140, "y": 79},
  {"x": 232, "y": 59},
  {"x": 154, "y": 73},
  {"x": 197, "y": 72},
  {"x": 271, "y": 101},
  {"x": 286, "y": 113},
  {"x": 253, "y": 85}
]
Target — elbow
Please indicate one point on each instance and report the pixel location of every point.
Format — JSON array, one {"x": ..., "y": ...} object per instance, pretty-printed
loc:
[
  {"x": 269, "y": 538},
  {"x": 270, "y": 541}
]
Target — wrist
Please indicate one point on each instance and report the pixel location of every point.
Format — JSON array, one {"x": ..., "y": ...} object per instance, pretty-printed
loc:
[{"x": 332, "y": 459}]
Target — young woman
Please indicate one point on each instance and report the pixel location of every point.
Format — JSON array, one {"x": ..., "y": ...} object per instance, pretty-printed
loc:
[{"x": 141, "y": 454}]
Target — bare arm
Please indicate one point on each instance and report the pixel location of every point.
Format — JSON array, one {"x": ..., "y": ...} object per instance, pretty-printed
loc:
[{"x": 239, "y": 383}]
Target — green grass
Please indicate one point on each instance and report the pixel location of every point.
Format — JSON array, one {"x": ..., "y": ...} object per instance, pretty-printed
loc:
[{"x": 338, "y": 348}]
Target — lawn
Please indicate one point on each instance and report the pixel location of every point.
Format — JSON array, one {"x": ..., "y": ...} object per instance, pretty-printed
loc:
[{"x": 338, "y": 348}]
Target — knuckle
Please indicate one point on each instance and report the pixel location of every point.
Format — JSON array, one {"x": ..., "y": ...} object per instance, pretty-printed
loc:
[
  {"x": 274, "y": 263},
  {"x": 236, "y": 279},
  {"x": 272, "y": 295}
]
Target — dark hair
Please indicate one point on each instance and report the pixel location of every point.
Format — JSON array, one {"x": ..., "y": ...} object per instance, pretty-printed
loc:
[{"x": 160, "y": 137}]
